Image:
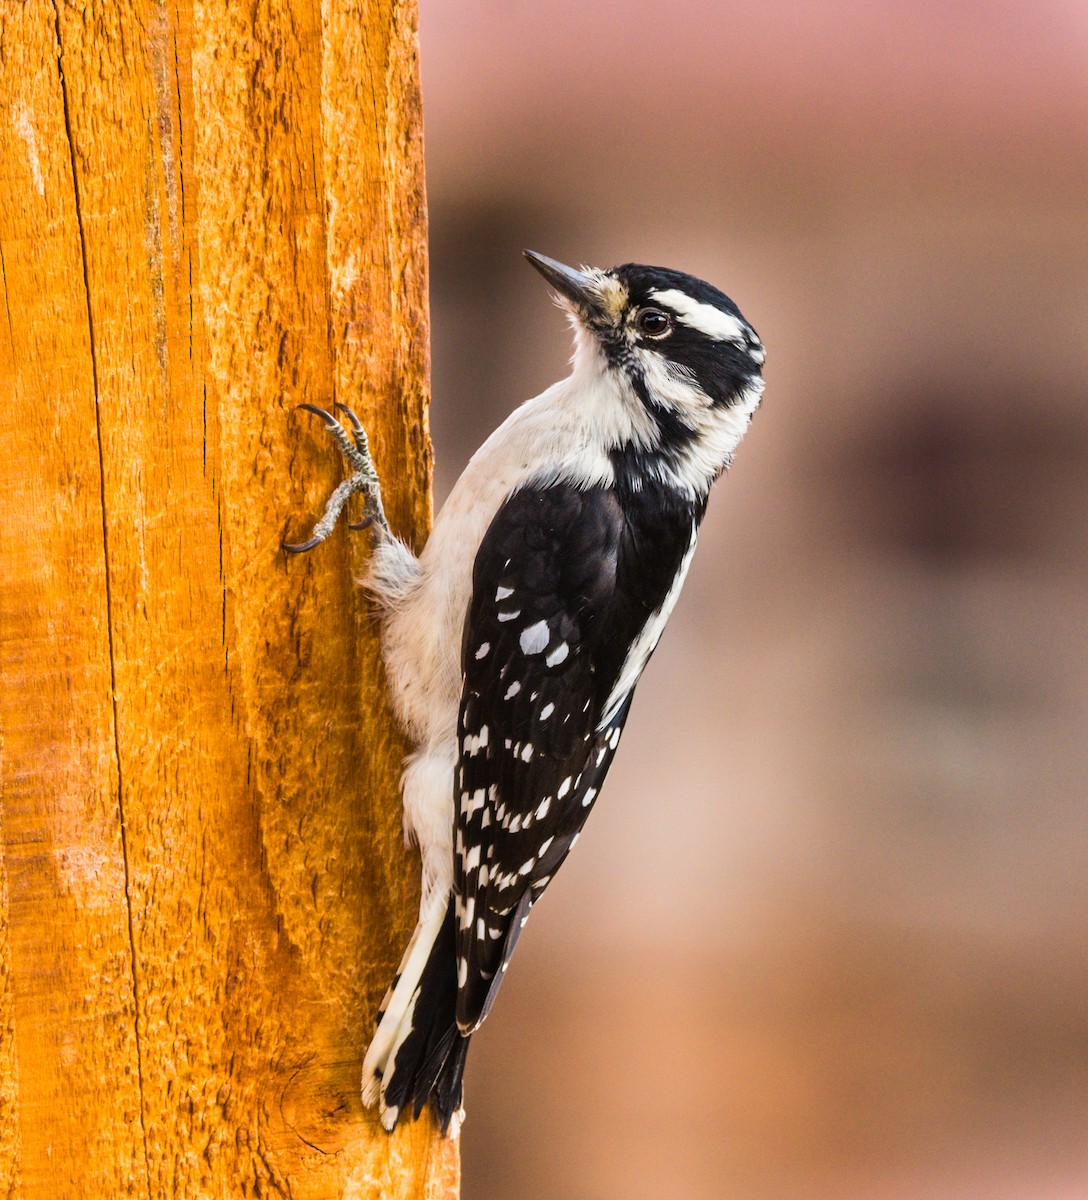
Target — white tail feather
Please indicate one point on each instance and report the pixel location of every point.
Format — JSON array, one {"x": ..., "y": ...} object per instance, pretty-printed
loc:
[{"x": 395, "y": 1020}]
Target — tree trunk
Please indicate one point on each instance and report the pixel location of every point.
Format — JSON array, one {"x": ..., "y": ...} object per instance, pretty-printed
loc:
[{"x": 209, "y": 212}]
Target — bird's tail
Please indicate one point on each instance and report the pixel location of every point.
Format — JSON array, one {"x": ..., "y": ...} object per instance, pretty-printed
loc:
[{"x": 418, "y": 1053}]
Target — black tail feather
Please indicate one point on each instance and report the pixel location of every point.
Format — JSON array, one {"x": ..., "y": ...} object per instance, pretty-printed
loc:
[
  {"x": 449, "y": 1086},
  {"x": 430, "y": 1063}
]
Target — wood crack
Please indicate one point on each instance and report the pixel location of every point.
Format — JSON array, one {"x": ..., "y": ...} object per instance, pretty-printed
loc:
[
  {"x": 106, "y": 562},
  {"x": 7, "y": 298}
]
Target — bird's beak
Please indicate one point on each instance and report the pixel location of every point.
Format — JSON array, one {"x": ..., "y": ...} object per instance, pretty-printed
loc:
[{"x": 576, "y": 286}]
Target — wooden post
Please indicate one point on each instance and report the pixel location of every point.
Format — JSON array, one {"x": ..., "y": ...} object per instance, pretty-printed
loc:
[{"x": 209, "y": 212}]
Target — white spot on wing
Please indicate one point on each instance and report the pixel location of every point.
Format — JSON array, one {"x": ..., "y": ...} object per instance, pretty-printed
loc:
[
  {"x": 512, "y": 690},
  {"x": 558, "y": 655},
  {"x": 564, "y": 787},
  {"x": 534, "y": 638},
  {"x": 510, "y": 614},
  {"x": 542, "y": 811},
  {"x": 503, "y": 592},
  {"x": 547, "y": 711},
  {"x": 483, "y": 649},
  {"x": 474, "y": 743}
]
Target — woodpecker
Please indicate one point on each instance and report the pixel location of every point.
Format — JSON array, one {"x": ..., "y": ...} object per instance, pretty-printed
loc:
[{"x": 514, "y": 642}]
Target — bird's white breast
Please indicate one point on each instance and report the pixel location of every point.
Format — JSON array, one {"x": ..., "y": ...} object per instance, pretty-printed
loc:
[{"x": 563, "y": 434}]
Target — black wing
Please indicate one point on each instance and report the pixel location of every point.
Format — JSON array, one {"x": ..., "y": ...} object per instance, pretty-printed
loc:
[{"x": 564, "y": 582}]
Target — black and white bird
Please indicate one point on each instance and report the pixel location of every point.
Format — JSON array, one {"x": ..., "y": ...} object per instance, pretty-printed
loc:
[{"x": 514, "y": 642}]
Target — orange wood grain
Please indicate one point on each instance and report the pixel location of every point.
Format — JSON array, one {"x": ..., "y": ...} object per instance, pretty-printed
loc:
[{"x": 209, "y": 212}]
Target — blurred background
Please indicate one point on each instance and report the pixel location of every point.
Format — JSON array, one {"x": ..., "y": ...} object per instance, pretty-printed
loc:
[{"x": 825, "y": 935}]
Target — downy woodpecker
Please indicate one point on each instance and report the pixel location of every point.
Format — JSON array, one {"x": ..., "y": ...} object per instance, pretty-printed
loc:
[{"x": 514, "y": 642}]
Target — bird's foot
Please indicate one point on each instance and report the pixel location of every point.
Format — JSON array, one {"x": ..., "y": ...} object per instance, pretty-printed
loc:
[{"x": 364, "y": 479}]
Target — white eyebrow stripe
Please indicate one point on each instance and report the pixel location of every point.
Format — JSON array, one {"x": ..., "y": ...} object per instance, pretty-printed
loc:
[{"x": 721, "y": 326}]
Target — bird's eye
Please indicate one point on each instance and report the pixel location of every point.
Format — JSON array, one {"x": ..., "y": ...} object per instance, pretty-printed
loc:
[{"x": 653, "y": 322}]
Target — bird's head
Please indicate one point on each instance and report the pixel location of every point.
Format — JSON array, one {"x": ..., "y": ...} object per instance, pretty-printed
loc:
[{"x": 681, "y": 347}]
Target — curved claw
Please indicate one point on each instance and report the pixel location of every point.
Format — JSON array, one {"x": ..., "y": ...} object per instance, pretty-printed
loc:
[
  {"x": 366, "y": 524},
  {"x": 356, "y": 425},
  {"x": 318, "y": 412},
  {"x": 301, "y": 547}
]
